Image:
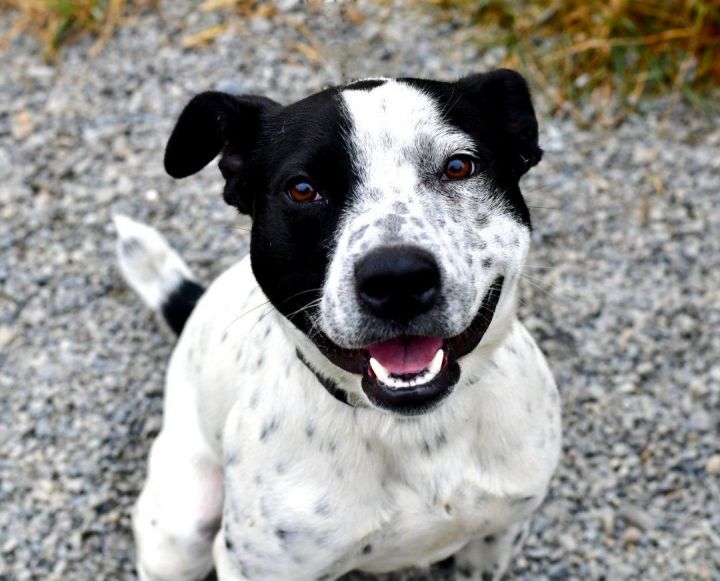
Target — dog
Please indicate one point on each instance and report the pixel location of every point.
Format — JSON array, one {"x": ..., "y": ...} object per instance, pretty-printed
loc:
[{"x": 357, "y": 393}]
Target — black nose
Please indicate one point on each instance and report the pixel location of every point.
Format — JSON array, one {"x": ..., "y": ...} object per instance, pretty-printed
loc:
[{"x": 397, "y": 282}]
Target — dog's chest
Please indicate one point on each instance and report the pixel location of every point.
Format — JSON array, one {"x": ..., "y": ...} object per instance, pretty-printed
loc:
[
  {"x": 372, "y": 508},
  {"x": 435, "y": 513}
]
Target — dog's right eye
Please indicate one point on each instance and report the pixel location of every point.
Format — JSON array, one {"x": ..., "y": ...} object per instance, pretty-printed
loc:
[{"x": 302, "y": 191}]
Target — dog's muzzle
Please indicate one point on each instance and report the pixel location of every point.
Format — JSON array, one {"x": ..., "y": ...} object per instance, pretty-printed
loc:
[{"x": 405, "y": 373}]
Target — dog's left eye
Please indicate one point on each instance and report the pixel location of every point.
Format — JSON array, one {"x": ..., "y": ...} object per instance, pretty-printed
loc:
[
  {"x": 302, "y": 191},
  {"x": 459, "y": 167}
]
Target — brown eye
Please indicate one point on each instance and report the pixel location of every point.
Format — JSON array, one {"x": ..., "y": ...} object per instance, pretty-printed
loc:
[
  {"x": 459, "y": 167},
  {"x": 302, "y": 192}
]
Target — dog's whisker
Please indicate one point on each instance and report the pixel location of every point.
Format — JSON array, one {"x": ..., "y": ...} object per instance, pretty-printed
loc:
[
  {"x": 236, "y": 319},
  {"x": 547, "y": 208},
  {"x": 538, "y": 285}
]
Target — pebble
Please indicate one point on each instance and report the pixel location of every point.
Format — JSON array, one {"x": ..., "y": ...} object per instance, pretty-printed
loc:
[
  {"x": 637, "y": 517},
  {"x": 623, "y": 298},
  {"x": 713, "y": 465},
  {"x": 631, "y": 536}
]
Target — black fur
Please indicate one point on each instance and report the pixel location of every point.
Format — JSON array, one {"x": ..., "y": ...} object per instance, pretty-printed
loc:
[
  {"x": 496, "y": 111},
  {"x": 266, "y": 146},
  {"x": 179, "y": 304}
]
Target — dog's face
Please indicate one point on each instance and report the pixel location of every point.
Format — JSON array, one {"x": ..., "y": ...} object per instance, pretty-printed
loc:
[{"x": 388, "y": 224}]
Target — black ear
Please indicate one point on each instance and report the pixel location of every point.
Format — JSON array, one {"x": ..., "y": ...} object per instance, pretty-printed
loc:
[
  {"x": 503, "y": 94},
  {"x": 212, "y": 122}
]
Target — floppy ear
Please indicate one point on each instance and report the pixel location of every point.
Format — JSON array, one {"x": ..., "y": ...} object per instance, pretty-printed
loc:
[
  {"x": 213, "y": 122},
  {"x": 504, "y": 95}
]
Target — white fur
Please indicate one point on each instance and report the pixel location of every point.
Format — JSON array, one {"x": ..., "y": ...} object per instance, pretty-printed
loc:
[
  {"x": 400, "y": 145},
  {"x": 308, "y": 487},
  {"x": 148, "y": 263}
]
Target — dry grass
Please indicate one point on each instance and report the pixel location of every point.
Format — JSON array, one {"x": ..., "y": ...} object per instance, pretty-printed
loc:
[
  {"x": 58, "y": 22},
  {"x": 615, "y": 51}
]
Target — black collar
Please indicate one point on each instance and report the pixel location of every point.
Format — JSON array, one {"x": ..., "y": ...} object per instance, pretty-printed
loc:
[{"x": 331, "y": 387}]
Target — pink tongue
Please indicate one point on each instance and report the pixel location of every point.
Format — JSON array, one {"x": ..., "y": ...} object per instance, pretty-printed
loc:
[{"x": 405, "y": 354}]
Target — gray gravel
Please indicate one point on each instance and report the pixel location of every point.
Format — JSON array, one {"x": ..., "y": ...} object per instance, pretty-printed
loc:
[{"x": 622, "y": 290}]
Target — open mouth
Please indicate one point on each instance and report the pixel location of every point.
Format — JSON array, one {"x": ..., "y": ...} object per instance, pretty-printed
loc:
[{"x": 409, "y": 374}]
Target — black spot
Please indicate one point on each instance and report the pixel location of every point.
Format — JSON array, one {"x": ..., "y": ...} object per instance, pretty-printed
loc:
[
  {"x": 355, "y": 236},
  {"x": 130, "y": 246},
  {"x": 269, "y": 428},
  {"x": 229, "y": 544},
  {"x": 466, "y": 570},
  {"x": 281, "y": 533},
  {"x": 440, "y": 440},
  {"x": 487, "y": 263},
  {"x": 153, "y": 523},
  {"x": 309, "y": 430},
  {"x": 448, "y": 509},
  {"x": 517, "y": 539},
  {"x": 281, "y": 468},
  {"x": 400, "y": 208},
  {"x": 489, "y": 539},
  {"x": 391, "y": 224},
  {"x": 426, "y": 448},
  {"x": 367, "y": 549},
  {"x": 224, "y": 337},
  {"x": 482, "y": 220},
  {"x": 481, "y": 245},
  {"x": 487, "y": 576},
  {"x": 323, "y": 507},
  {"x": 260, "y": 361}
]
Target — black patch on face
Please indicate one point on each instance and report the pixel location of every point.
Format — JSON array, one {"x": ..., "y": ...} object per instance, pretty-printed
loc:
[
  {"x": 495, "y": 110},
  {"x": 291, "y": 241}
]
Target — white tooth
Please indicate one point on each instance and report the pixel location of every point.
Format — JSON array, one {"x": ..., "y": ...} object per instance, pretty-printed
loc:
[
  {"x": 380, "y": 372},
  {"x": 436, "y": 363}
]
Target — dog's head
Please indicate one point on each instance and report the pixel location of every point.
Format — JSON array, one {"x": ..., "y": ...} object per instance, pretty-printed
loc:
[{"x": 388, "y": 224}]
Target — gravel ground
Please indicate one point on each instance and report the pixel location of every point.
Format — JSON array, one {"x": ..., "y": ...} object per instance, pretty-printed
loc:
[{"x": 622, "y": 289}]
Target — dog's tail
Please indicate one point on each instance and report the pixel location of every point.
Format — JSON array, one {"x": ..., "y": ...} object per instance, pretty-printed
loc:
[{"x": 156, "y": 272}]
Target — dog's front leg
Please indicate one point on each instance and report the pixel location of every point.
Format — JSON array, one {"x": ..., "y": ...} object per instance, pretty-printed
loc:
[
  {"x": 487, "y": 558},
  {"x": 178, "y": 512}
]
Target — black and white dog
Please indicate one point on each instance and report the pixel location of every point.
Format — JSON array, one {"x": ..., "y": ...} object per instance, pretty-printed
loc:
[{"x": 389, "y": 410}]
